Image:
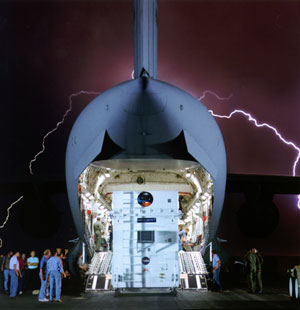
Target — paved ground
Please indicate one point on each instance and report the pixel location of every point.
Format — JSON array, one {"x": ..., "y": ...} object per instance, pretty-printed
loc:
[{"x": 231, "y": 299}]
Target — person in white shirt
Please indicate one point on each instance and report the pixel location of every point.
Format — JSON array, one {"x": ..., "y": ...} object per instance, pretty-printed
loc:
[{"x": 14, "y": 270}]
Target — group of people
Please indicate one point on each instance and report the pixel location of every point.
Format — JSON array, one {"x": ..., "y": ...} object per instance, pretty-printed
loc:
[
  {"x": 253, "y": 261},
  {"x": 47, "y": 273},
  {"x": 102, "y": 244},
  {"x": 187, "y": 243},
  {"x": 18, "y": 269},
  {"x": 43, "y": 276},
  {"x": 51, "y": 269}
]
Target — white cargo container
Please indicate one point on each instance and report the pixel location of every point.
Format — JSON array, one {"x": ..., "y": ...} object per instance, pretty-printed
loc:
[{"x": 145, "y": 239}]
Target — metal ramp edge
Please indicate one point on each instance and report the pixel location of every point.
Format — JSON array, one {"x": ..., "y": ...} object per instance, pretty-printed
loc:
[
  {"x": 193, "y": 272},
  {"x": 99, "y": 273}
]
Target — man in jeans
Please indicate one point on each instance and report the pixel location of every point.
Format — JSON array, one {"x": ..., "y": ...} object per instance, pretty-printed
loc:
[
  {"x": 55, "y": 271},
  {"x": 5, "y": 269},
  {"x": 44, "y": 275},
  {"x": 216, "y": 269},
  {"x": 14, "y": 269}
]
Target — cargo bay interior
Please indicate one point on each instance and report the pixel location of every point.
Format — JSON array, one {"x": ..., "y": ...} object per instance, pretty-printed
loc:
[{"x": 170, "y": 199}]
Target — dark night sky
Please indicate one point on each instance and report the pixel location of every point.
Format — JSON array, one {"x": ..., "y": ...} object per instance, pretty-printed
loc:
[{"x": 250, "y": 49}]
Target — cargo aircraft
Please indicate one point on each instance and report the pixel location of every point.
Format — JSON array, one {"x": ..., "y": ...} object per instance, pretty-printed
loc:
[
  {"x": 146, "y": 138},
  {"x": 146, "y": 162}
]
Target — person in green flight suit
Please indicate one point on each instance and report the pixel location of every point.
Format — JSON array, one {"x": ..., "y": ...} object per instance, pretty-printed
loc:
[
  {"x": 259, "y": 261},
  {"x": 250, "y": 263},
  {"x": 98, "y": 230}
]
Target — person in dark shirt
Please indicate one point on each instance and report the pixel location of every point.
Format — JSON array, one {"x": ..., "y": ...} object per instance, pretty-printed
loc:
[
  {"x": 250, "y": 263},
  {"x": 110, "y": 238},
  {"x": 83, "y": 267},
  {"x": 259, "y": 262},
  {"x": 5, "y": 269},
  {"x": 22, "y": 264}
]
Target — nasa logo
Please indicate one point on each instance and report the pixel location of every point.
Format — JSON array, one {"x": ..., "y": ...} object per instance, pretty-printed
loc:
[{"x": 145, "y": 260}]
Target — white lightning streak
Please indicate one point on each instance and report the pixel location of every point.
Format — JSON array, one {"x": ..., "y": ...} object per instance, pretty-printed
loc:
[
  {"x": 252, "y": 119},
  {"x": 7, "y": 217},
  {"x": 214, "y": 94},
  {"x": 58, "y": 124}
]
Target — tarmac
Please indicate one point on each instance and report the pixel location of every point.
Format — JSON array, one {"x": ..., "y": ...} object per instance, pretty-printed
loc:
[{"x": 271, "y": 298}]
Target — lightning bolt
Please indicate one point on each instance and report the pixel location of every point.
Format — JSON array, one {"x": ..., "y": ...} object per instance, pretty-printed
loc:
[
  {"x": 252, "y": 119},
  {"x": 259, "y": 125},
  {"x": 215, "y": 95},
  {"x": 44, "y": 147},
  {"x": 59, "y": 123},
  {"x": 7, "y": 217}
]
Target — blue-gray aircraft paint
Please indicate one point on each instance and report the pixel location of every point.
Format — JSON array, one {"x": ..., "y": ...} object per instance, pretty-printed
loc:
[
  {"x": 141, "y": 114},
  {"x": 138, "y": 114}
]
